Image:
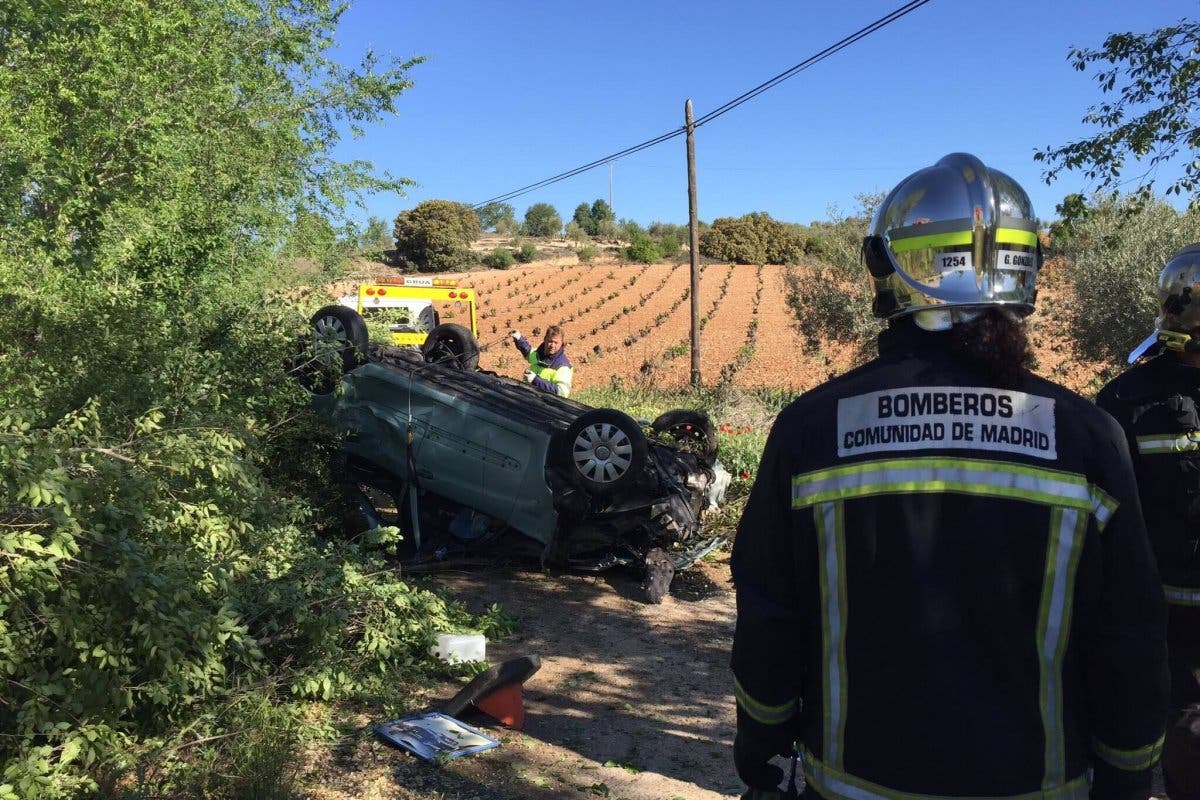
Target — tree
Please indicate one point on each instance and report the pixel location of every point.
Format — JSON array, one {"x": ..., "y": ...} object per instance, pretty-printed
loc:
[
  {"x": 436, "y": 236},
  {"x": 601, "y": 212},
  {"x": 312, "y": 238},
  {"x": 375, "y": 239},
  {"x": 595, "y": 218},
  {"x": 1116, "y": 246},
  {"x": 1071, "y": 212},
  {"x": 541, "y": 219},
  {"x": 583, "y": 218},
  {"x": 163, "y": 504},
  {"x": 1152, "y": 117},
  {"x": 498, "y": 217}
]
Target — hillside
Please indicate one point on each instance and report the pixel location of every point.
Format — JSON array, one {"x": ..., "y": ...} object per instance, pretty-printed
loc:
[{"x": 630, "y": 322}]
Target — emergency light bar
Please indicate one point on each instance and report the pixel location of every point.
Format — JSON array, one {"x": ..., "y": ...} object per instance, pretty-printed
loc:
[{"x": 426, "y": 283}]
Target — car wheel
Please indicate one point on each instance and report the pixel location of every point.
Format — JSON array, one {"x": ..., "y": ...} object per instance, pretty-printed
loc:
[
  {"x": 452, "y": 345},
  {"x": 603, "y": 451},
  {"x": 691, "y": 430},
  {"x": 338, "y": 345}
]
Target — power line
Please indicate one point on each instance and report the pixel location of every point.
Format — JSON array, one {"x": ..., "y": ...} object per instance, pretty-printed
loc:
[
  {"x": 562, "y": 176},
  {"x": 745, "y": 97},
  {"x": 861, "y": 33}
]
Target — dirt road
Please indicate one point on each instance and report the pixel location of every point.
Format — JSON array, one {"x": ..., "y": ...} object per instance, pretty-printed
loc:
[{"x": 632, "y": 701}]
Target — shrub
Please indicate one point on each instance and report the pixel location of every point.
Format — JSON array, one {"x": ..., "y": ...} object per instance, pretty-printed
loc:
[
  {"x": 661, "y": 230},
  {"x": 606, "y": 229},
  {"x": 527, "y": 252},
  {"x": 1115, "y": 252},
  {"x": 436, "y": 236},
  {"x": 500, "y": 258},
  {"x": 542, "y": 220},
  {"x": 833, "y": 300},
  {"x": 754, "y": 239},
  {"x": 668, "y": 246},
  {"x": 576, "y": 233},
  {"x": 643, "y": 250},
  {"x": 629, "y": 230},
  {"x": 586, "y": 253},
  {"x": 312, "y": 237}
]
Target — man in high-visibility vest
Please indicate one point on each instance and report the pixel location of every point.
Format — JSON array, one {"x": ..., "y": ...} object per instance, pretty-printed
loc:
[
  {"x": 1157, "y": 402},
  {"x": 549, "y": 368},
  {"x": 944, "y": 584}
]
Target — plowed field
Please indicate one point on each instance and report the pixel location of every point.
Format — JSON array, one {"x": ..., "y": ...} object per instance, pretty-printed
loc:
[{"x": 632, "y": 321}]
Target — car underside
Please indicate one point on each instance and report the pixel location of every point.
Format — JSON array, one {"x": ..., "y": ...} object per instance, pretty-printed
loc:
[{"x": 471, "y": 465}]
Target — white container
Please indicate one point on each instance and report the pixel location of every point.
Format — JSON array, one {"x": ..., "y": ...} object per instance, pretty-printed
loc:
[{"x": 454, "y": 647}]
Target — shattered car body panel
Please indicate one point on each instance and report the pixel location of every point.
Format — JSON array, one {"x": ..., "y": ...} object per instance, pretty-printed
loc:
[{"x": 470, "y": 458}]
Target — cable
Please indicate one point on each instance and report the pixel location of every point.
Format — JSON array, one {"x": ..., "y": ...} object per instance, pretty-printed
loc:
[
  {"x": 861, "y": 33},
  {"x": 562, "y": 176}
]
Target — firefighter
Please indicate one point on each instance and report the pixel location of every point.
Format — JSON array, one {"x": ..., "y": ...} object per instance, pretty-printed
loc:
[
  {"x": 1157, "y": 402},
  {"x": 944, "y": 585}
]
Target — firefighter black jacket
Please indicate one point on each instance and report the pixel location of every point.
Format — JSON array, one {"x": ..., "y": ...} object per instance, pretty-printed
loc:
[
  {"x": 1156, "y": 403},
  {"x": 945, "y": 588}
]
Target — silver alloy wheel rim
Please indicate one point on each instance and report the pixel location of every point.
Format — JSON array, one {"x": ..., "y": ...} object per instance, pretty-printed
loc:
[
  {"x": 331, "y": 328},
  {"x": 602, "y": 452},
  {"x": 331, "y": 337}
]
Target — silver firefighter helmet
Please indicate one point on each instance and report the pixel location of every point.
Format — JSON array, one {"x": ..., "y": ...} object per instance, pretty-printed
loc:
[
  {"x": 1178, "y": 323},
  {"x": 950, "y": 240}
]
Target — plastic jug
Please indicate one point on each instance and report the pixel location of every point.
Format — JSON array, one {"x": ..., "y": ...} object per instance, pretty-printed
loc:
[{"x": 454, "y": 647}]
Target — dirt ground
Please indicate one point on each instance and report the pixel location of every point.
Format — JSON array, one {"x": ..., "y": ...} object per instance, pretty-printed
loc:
[{"x": 632, "y": 701}]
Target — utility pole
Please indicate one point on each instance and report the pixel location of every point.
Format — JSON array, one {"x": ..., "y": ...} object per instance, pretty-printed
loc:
[
  {"x": 694, "y": 241},
  {"x": 610, "y": 205}
]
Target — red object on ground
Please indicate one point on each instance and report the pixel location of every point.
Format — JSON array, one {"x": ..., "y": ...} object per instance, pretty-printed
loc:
[{"x": 506, "y": 705}]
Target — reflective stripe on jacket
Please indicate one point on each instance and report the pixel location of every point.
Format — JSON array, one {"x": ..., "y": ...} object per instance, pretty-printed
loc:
[
  {"x": 553, "y": 374},
  {"x": 945, "y": 587},
  {"x": 1157, "y": 403}
]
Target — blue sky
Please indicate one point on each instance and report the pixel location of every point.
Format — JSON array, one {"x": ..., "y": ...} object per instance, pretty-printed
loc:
[{"x": 515, "y": 92}]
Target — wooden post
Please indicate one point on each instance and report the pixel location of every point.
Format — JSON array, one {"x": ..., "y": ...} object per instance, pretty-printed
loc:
[{"x": 693, "y": 242}]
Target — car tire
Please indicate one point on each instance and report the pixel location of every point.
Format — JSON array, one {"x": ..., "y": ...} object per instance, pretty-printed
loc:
[
  {"x": 691, "y": 429},
  {"x": 451, "y": 345},
  {"x": 338, "y": 345},
  {"x": 602, "y": 451}
]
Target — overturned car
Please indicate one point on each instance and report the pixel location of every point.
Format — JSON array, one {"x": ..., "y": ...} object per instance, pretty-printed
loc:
[{"x": 470, "y": 464}]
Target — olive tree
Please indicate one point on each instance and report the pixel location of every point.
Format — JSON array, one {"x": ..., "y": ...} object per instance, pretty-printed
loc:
[{"x": 1116, "y": 248}]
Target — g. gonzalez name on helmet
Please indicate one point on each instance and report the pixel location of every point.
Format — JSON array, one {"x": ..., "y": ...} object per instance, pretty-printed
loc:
[
  {"x": 946, "y": 417},
  {"x": 967, "y": 402}
]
